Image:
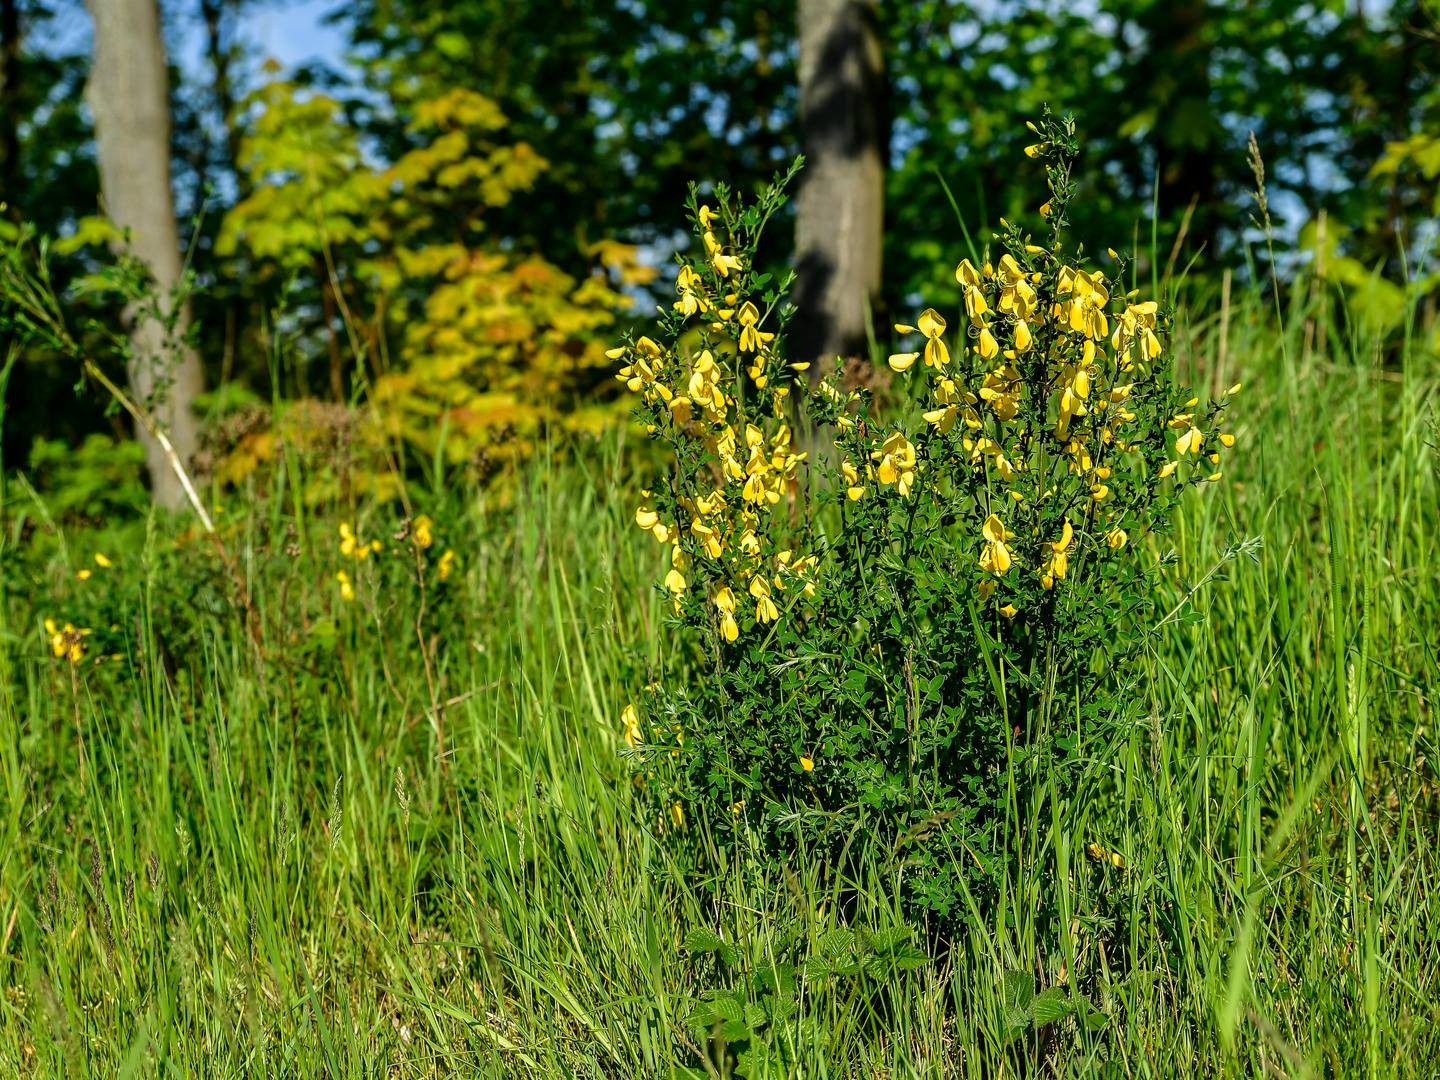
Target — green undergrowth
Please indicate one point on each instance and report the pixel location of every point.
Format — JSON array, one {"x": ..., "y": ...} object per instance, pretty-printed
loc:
[{"x": 396, "y": 836}]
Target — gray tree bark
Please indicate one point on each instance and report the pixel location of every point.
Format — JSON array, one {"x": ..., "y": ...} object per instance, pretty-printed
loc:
[
  {"x": 128, "y": 93},
  {"x": 839, "y": 223}
]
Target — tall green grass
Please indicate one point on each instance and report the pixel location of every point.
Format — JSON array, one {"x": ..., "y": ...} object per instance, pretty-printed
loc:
[{"x": 334, "y": 897}]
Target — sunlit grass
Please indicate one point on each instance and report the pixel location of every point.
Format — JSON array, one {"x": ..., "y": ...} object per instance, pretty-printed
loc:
[{"x": 331, "y": 896}]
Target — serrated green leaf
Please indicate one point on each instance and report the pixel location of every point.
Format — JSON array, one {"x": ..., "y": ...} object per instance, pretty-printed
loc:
[
  {"x": 1051, "y": 1005},
  {"x": 1019, "y": 988},
  {"x": 834, "y": 943},
  {"x": 702, "y": 940}
]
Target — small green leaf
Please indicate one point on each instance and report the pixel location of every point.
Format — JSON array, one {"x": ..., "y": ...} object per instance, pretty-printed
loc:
[{"x": 1019, "y": 988}]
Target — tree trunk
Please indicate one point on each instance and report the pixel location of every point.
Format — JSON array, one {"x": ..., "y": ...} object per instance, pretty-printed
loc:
[
  {"x": 10, "y": 106},
  {"x": 839, "y": 222},
  {"x": 129, "y": 96}
]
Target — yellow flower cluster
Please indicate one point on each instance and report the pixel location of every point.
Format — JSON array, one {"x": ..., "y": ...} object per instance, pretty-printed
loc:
[
  {"x": 719, "y": 515},
  {"x": 353, "y": 547},
  {"x": 1006, "y": 322},
  {"x": 66, "y": 642}
]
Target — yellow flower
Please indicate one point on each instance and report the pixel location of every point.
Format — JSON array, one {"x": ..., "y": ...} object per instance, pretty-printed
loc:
[
  {"x": 1116, "y": 538},
  {"x": 84, "y": 575},
  {"x": 692, "y": 293},
  {"x": 724, "y": 264},
  {"x": 751, "y": 339},
  {"x": 1227, "y": 441},
  {"x": 900, "y": 362},
  {"x": 897, "y": 463},
  {"x": 631, "y": 719},
  {"x": 856, "y": 490},
  {"x": 725, "y": 601},
  {"x": 101, "y": 560},
  {"x": 933, "y": 326},
  {"x": 1192, "y": 440},
  {"x": 447, "y": 563},
  {"x": 765, "y": 609},
  {"x": 675, "y": 579},
  {"x": 1034, "y": 150},
  {"x": 1023, "y": 338},
  {"x": 1057, "y": 557},
  {"x": 1167, "y": 468},
  {"x": 996, "y": 558},
  {"x": 806, "y": 764},
  {"x": 66, "y": 642},
  {"x": 1009, "y": 611},
  {"x": 677, "y": 815},
  {"x": 347, "y": 539},
  {"x": 347, "y": 590},
  {"x": 423, "y": 525}
]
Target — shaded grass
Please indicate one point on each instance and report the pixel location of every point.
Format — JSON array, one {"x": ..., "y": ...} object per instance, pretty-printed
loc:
[{"x": 352, "y": 877}]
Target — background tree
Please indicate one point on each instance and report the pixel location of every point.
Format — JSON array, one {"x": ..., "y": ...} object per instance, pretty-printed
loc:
[
  {"x": 129, "y": 96},
  {"x": 840, "y": 219}
]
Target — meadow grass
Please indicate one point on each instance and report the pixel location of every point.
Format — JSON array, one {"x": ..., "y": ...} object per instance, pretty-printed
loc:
[{"x": 320, "y": 839}]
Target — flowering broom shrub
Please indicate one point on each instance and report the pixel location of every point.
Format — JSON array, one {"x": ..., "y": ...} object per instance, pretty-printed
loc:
[{"x": 904, "y": 630}]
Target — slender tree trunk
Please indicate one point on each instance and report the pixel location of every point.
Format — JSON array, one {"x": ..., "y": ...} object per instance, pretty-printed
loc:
[
  {"x": 129, "y": 96},
  {"x": 840, "y": 214},
  {"x": 10, "y": 105}
]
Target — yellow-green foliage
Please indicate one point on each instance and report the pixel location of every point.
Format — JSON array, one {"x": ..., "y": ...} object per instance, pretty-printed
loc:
[{"x": 458, "y": 339}]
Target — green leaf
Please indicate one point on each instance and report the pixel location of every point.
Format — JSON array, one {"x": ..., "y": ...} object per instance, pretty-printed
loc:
[
  {"x": 1019, "y": 989},
  {"x": 1051, "y": 1005},
  {"x": 703, "y": 941}
]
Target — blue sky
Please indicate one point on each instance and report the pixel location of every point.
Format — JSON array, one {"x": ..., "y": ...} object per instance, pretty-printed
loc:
[{"x": 289, "y": 31}]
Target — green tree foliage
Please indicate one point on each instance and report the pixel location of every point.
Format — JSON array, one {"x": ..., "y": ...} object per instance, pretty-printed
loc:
[{"x": 629, "y": 101}]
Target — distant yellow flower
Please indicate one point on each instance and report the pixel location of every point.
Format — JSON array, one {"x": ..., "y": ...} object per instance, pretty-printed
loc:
[
  {"x": 725, "y": 601},
  {"x": 66, "y": 642},
  {"x": 84, "y": 575},
  {"x": 996, "y": 558},
  {"x": 447, "y": 563},
  {"x": 347, "y": 539},
  {"x": 631, "y": 719},
  {"x": 101, "y": 560},
  {"x": 347, "y": 590},
  {"x": 423, "y": 525}
]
